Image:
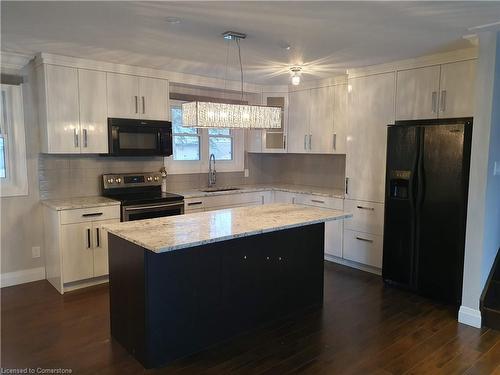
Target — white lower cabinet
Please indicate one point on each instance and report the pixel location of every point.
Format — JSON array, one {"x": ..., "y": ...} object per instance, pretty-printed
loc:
[
  {"x": 76, "y": 245},
  {"x": 222, "y": 201},
  {"x": 363, "y": 248}
]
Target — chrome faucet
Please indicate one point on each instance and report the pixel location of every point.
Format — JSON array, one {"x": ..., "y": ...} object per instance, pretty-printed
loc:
[{"x": 211, "y": 171}]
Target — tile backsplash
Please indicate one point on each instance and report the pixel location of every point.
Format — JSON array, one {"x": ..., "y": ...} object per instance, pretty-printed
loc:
[{"x": 63, "y": 176}]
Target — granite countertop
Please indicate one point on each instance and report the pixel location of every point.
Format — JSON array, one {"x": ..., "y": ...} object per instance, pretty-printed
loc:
[
  {"x": 177, "y": 232},
  {"x": 298, "y": 189},
  {"x": 79, "y": 202}
]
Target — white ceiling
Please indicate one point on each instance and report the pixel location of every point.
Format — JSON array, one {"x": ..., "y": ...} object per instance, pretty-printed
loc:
[{"x": 327, "y": 37}]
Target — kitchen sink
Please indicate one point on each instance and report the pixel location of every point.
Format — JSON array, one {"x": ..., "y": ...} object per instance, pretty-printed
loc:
[{"x": 222, "y": 188}]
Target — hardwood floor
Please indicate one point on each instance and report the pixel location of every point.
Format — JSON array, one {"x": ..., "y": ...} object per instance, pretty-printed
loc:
[{"x": 363, "y": 328}]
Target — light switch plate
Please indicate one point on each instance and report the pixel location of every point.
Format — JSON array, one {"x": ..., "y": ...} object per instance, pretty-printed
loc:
[
  {"x": 35, "y": 252},
  {"x": 496, "y": 168},
  {"x": 247, "y": 172}
]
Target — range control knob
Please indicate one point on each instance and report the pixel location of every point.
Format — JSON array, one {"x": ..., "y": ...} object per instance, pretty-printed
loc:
[
  {"x": 149, "y": 179},
  {"x": 118, "y": 180},
  {"x": 156, "y": 178},
  {"x": 110, "y": 180}
]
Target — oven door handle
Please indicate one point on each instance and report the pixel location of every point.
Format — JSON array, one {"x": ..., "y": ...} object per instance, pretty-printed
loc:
[{"x": 149, "y": 207}]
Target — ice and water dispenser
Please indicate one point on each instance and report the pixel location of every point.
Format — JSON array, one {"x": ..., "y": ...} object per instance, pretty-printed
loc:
[{"x": 399, "y": 184}]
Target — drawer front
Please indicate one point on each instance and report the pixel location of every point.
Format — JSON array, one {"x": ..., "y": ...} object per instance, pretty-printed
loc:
[
  {"x": 82, "y": 215},
  {"x": 194, "y": 205},
  {"x": 363, "y": 248},
  {"x": 367, "y": 217},
  {"x": 319, "y": 201},
  {"x": 233, "y": 200}
]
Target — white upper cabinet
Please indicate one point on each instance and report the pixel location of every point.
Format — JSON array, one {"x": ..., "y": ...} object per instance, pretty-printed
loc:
[
  {"x": 59, "y": 109},
  {"x": 298, "y": 121},
  {"x": 457, "y": 89},
  {"x": 439, "y": 91},
  {"x": 371, "y": 109},
  {"x": 123, "y": 95},
  {"x": 137, "y": 97},
  {"x": 93, "y": 111},
  {"x": 417, "y": 93},
  {"x": 153, "y": 95},
  {"x": 339, "y": 118},
  {"x": 321, "y": 130},
  {"x": 73, "y": 110}
]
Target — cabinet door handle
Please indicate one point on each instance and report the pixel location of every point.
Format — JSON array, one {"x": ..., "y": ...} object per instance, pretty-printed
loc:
[
  {"x": 75, "y": 137},
  {"x": 305, "y": 142},
  {"x": 136, "y": 104},
  {"x": 366, "y": 208},
  {"x": 310, "y": 142},
  {"x": 347, "y": 185},
  {"x": 443, "y": 101},
  {"x": 98, "y": 237},
  {"x": 92, "y": 214},
  {"x": 434, "y": 102},
  {"x": 85, "y": 138},
  {"x": 143, "y": 105},
  {"x": 334, "y": 141},
  {"x": 284, "y": 142},
  {"x": 194, "y": 203},
  {"x": 317, "y": 201},
  {"x": 364, "y": 239},
  {"x": 89, "y": 240}
]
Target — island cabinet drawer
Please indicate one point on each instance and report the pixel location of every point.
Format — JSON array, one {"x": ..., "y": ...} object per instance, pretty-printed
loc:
[
  {"x": 319, "y": 201},
  {"x": 82, "y": 215},
  {"x": 367, "y": 217},
  {"x": 194, "y": 205},
  {"x": 363, "y": 248}
]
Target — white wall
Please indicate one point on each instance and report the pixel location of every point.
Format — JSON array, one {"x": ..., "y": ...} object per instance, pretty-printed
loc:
[
  {"x": 21, "y": 219},
  {"x": 483, "y": 218}
]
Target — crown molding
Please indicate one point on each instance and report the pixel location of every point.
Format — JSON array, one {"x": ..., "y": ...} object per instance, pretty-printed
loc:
[{"x": 12, "y": 62}]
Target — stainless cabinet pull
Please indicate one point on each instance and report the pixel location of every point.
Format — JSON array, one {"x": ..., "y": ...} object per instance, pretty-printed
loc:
[
  {"x": 443, "y": 101},
  {"x": 364, "y": 239},
  {"x": 92, "y": 214},
  {"x": 284, "y": 142},
  {"x": 88, "y": 239},
  {"x": 310, "y": 142},
  {"x": 347, "y": 185},
  {"x": 85, "y": 138},
  {"x": 75, "y": 137},
  {"x": 305, "y": 142},
  {"x": 98, "y": 237},
  {"x": 334, "y": 141},
  {"x": 136, "y": 104},
  {"x": 143, "y": 105},
  {"x": 194, "y": 203},
  {"x": 317, "y": 201},
  {"x": 366, "y": 208},
  {"x": 434, "y": 102}
]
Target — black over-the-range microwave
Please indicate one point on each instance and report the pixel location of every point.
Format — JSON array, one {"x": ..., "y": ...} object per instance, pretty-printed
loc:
[{"x": 135, "y": 137}]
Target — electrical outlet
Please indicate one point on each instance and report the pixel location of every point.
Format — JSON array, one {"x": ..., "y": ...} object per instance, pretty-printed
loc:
[
  {"x": 496, "y": 168},
  {"x": 35, "y": 252},
  {"x": 247, "y": 172}
]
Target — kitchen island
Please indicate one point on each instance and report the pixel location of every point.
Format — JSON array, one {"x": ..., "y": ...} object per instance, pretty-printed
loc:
[{"x": 182, "y": 283}]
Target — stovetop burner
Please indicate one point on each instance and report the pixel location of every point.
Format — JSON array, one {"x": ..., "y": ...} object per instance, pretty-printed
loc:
[{"x": 137, "y": 188}]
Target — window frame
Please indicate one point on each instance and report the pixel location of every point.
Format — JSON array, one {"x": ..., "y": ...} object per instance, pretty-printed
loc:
[
  {"x": 201, "y": 166},
  {"x": 15, "y": 182},
  {"x": 229, "y": 136},
  {"x": 177, "y": 104}
]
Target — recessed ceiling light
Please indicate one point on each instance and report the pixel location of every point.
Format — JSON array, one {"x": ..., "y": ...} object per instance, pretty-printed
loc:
[{"x": 173, "y": 20}]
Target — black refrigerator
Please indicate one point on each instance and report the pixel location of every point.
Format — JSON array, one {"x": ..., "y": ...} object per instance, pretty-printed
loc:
[{"x": 427, "y": 179}]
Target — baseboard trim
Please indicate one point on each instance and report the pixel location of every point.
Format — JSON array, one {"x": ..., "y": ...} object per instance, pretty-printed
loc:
[
  {"x": 359, "y": 266},
  {"x": 22, "y": 276},
  {"x": 471, "y": 317}
]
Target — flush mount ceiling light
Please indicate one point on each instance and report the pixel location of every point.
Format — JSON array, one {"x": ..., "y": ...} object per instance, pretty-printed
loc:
[
  {"x": 173, "y": 20},
  {"x": 296, "y": 71},
  {"x": 222, "y": 115}
]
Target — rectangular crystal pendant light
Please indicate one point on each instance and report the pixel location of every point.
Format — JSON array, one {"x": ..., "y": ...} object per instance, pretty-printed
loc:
[{"x": 223, "y": 115}]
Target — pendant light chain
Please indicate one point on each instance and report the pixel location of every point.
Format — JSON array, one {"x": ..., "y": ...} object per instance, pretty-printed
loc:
[{"x": 241, "y": 66}]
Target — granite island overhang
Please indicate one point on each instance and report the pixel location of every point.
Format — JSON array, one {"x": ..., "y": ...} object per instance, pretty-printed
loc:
[{"x": 182, "y": 283}]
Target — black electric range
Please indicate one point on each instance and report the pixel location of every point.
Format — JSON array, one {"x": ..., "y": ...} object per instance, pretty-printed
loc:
[{"x": 140, "y": 196}]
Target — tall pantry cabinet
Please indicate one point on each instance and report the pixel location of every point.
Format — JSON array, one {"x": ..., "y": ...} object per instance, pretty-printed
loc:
[{"x": 371, "y": 108}]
